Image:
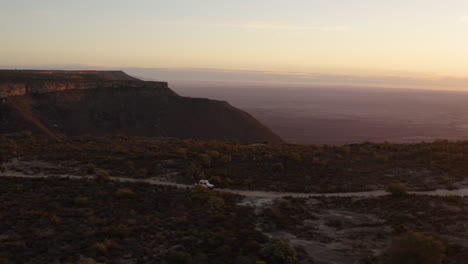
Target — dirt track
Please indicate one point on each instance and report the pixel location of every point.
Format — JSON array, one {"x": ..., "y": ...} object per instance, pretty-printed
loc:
[{"x": 258, "y": 194}]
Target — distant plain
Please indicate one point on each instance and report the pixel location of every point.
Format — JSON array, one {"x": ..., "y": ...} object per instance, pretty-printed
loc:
[{"x": 341, "y": 115}]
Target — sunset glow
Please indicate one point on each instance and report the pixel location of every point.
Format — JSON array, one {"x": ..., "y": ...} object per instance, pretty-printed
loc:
[{"x": 407, "y": 39}]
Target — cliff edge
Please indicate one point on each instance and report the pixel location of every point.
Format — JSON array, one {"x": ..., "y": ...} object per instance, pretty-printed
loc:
[
  {"x": 24, "y": 82},
  {"x": 111, "y": 102}
]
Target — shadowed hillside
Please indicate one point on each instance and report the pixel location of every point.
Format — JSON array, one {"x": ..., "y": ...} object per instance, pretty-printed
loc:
[{"x": 98, "y": 103}]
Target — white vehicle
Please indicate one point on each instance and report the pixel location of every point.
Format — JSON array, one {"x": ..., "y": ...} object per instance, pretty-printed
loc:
[{"x": 206, "y": 184}]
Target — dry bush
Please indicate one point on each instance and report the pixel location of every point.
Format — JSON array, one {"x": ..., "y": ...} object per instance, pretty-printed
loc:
[
  {"x": 102, "y": 176},
  {"x": 125, "y": 193},
  {"x": 416, "y": 248},
  {"x": 84, "y": 260},
  {"x": 100, "y": 248}
]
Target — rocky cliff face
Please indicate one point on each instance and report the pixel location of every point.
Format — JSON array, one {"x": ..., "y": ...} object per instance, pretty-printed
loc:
[
  {"x": 100, "y": 103},
  {"x": 18, "y": 83}
]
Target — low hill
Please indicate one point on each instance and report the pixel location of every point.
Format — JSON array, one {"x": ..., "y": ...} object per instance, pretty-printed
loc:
[{"x": 99, "y": 103}]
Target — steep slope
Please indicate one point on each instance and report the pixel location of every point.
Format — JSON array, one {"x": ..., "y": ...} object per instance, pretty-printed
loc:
[{"x": 103, "y": 105}]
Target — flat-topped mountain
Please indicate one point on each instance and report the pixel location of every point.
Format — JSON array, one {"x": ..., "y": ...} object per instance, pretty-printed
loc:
[
  {"x": 111, "y": 102},
  {"x": 35, "y": 75},
  {"x": 22, "y": 82}
]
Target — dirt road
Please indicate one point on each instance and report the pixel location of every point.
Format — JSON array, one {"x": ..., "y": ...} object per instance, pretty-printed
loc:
[{"x": 253, "y": 194}]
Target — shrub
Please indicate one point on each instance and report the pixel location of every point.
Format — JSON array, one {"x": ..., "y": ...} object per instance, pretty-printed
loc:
[
  {"x": 81, "y": 201},
  {"x": 397, "y": 190},
  {"x": 111, "y": 244},
  {"x": 170, "y": 164},
  {"x": 215, "y": 180},
  {"x": 178, "y": 257},
  {"x": 199, "y": 192},
  {"x": 182, "y": 153},
  {"x": 278, "y": 250},
  {"x": 316, "y": 161},
  {"x": 100, "y": 247},
  {"x": 416, "y": 248},
  {"x": 143, "y": 173},
  {"x": 192, "y": 172},
  {"x": 125, "y": 193},
  {"x": 296, "y": 157},
  {"x": 205, "y": 160},
  {"x": 19, "y": 188},
  {"x": 84, "y": 260},
  {"x": 90, "y": 168},
  {"x": 215, "y": 203},
  {"x": 213, "y": 154},
  {"x": 120, "y": 231},
  {"x": 182, "y": 219},
  {"x": 224, "y": 159},
  {"x": 278, "y": 166},
  {"x": 102, "y": 176}
]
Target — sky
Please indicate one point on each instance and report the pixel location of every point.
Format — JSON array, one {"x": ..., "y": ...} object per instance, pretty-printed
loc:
[{"x": 373, "y": 41}]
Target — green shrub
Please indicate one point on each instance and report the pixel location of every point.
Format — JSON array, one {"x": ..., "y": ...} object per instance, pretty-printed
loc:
[
  {"x": 416, "y": 248},
  {"x": 215, "y": 203},
  {"x": 397, "y": 190},
  {"x": 199, "y": 192},
  {"x": 81, "y": 201},
  {"x": 278, "y": 250}
]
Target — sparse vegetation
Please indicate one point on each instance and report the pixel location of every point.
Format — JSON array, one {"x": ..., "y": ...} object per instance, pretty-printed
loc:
[
  {"x": 283, "y": 167},
  {"x": 106, "y": 220},
  {"x": 367, "y": 225},
  {"x": 81, "y": 221},
  {"x": 416, "y": 248}
]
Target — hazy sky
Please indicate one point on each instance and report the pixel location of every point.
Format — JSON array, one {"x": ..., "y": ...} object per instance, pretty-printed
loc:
[{"x": 405, "y": 38}]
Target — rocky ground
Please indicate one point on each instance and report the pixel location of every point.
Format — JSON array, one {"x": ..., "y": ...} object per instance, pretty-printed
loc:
[{"x": 359, "y": 230}]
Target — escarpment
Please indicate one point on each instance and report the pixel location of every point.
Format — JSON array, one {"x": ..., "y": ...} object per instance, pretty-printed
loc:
[
  {"x": 100, "y": 102},
  {"x": 18, "y": 83}
]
